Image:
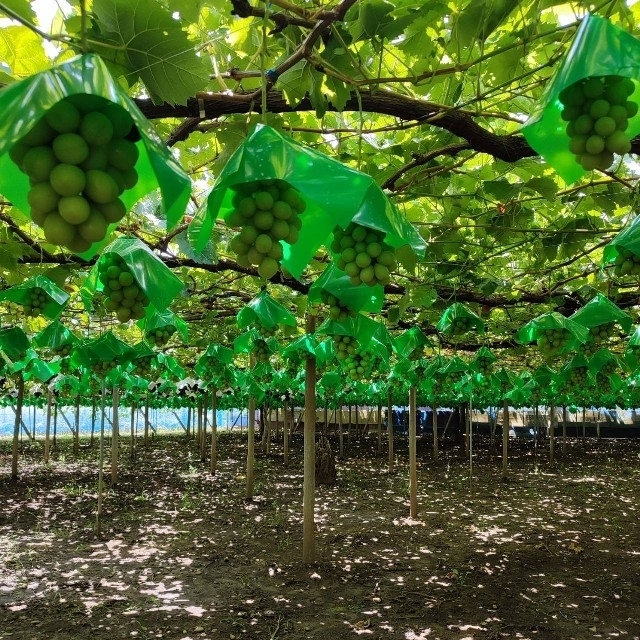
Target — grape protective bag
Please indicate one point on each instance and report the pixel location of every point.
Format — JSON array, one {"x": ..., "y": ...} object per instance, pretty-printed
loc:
[
  {"x": 154, "y": 278},
  {"x": 334, "y": 194},
  {"x": 105, "y": 349},
  {"x": 599, "y": 48},
  {"x": 162, "y": 319},
  {"x": 57, "y": 298},
  {"x": 456, "y": 312},
  {"x": 628, "y": 238},
  {"x": 55, "y": 335},
  {"x": 14, "y": 343},
  {"x": 600, "y": 310},
  {"x": 410, "y": 344},
  {"x": 24, "y": 103},
  {"x": 552, "y": 320},
  {"x": 264, "y": 311},
  {"x": 212, "y": 364},
  {"x": 355, "y": 298}
]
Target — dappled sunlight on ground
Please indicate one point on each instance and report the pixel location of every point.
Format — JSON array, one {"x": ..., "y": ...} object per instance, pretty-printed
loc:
[{"x": 548, "y": 555}]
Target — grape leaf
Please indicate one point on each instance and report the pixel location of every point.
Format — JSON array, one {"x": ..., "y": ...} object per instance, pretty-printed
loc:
[
  {"x": 156, "y": 48},
  {"x": 21, "y": 8},
  {"x": 296, "y": 82},
  {"x": 21, "y": 52}
]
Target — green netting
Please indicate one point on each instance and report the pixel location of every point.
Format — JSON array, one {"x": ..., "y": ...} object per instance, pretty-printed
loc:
[
  {"x": 355, "y": 298},
  {"x": 24, "y": 103},
  {"x": 334, "y": 195},
  {"x": 154, "y": 278},
  {"x": 600, "y": 310},
  {"x": 457, "y": 319},
  {"x": 20, "y": 294},
  {"x": 598, "y": 49},
  {"x": 266, "y": 312}
]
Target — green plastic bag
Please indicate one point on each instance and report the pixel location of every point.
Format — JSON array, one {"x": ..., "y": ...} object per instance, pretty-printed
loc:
[
  {"x": 362, "y": 328},
  {"x": 459, "y": 319},
  {"x": 410, "y": 344},
  {"x": 483, "y": 361},
  {"x": 599, "y": 48},
  {"x": 624, "y": 250},
  {"x": 58, "y": 338},
  {"x": 24, "y": 103},
  {"x": 599, "y": 311},
  {"x": 102, "y": 355},
  {"x": 155, "y": 279},
  {"x": 14, "y": 343},
  {"x": 337, "y": 283},
  {"x": 159, "y": 326},
  {"x": 569, "y": 334},
  {"x": 334, "y": 193},
  {"x": 39, "y": 296},
  {"x": 265, "y": 312},
  {"x": 214, "y": 362}
]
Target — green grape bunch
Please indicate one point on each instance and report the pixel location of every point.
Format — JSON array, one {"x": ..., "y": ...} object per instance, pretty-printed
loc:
[
  {"x": 102, "y": 367},
  {"x": 125, "y": 297},
  {"x": 80, "y": 158},
  {"x": 37, "y": 300},
  {"x": 461, "y": 325},
  {"x": 160, "y": 336},
  {"x": 578, "y": 378},
  {"x": 361, "y": 365},
  {"x": 337, "y": 311},
  {"x": 143, "y": 367},
  {"x": 267, "y": 213},
  {"x": 597, "y": 111},
  {"x": 345, "y": 346},
  {"x": 626, "y": 263},
  {"x": 363, "y": 255},
  {"x": 484, "y": 366},
  {"x": 62, "y": 350},
  {"x": 267, "y": 333},
  {"x": 261, "y": 350},
  {"x": 551, "y": 341}
]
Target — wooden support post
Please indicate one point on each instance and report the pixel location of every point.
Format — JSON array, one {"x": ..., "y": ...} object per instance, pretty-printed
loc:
[
  {"x": 115, "y": 435},
  {"x": 101, "y": 460},
  {"x": 505, "y": 439},
  {"x": 341, "y": 434},
  {"x": 379, "y": 428},
  {"x": 552, "y": 432},
  {"x": 214, "y": 431},
  {"x": 413, "y": 468},
  {"x": 390, "y": 431},
  {"x": 251, "y": 434},
  {"x": 76, "y": 432},
  {"x": 434, "y": 409},
  {"x": 564, "y": 430},
  {"x": 309, "y": 481},
  {"x": 132, "y": 450},
  {"x": 285, "y": 433},
  {"x": 16, "y": 429},
  {"x": 47, "y": 433},
  {"x": 146, "y": 421}
]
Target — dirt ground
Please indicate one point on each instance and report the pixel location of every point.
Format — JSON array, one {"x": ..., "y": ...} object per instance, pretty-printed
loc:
[{"x": 551, "y": 553}]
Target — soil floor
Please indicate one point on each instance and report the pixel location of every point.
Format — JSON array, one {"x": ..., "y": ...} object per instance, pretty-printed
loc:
[{"x": 552, "y": 552}]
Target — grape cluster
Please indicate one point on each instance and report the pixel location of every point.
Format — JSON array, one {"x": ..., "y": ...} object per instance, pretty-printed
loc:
[
  {"x": 160, "y": 336},
  {"x": 261, "y": 351},
  {"x": 483, "y": 366},
  {"x": 363, "y": 255},
  {"x": 37, "y": 300},
  {"x": 267, "y": 333},
  {"x": 124, "y": 295},
  {"x": 80, "y": 158},
  {"x": 267, "y": 212},
  {"x": 337, "y": 311},
  {"x": 598, "y": 335},
  {"x": 344, "y": 346},
  {"x": 143, "y": 367},
  {"x": 361, "y": 364},
  {"x": 578, "y": 378},
  {"x": 461, "y": 325},
  {"x": 597, "y": 112},
  {"x": 102, "y": 367},
  {"x": 626, "y": 263},
  {"x": 62, "y": 350},
  {"x": 416, "y": 353},
  {"x": 551, "y": 341}
]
